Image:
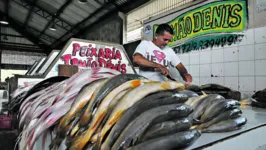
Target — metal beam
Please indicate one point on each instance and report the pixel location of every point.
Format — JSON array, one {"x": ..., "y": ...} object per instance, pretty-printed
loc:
[
  {"x": 57, "y": 14},
  {"x": 21, "y": 49},
  {"x": 15, "y": 66},
  {"x": 32, "y": 5},
  {"x": 45, "y": 14},
  {"x": 11, "y": 35},
  {"x": 19, "y": 28},
  {"x": 79, "y": 26},
  {"x": 21, "y": 44}
]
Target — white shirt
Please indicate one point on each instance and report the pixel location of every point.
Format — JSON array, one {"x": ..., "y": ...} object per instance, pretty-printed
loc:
[{"x": 165, "y": 57}]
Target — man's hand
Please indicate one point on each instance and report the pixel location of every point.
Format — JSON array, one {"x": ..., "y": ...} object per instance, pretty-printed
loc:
[
  {"x": 183, "y": 72},
  {"x": 188, "y": 77},
  {"x": 163, "y": 70}
]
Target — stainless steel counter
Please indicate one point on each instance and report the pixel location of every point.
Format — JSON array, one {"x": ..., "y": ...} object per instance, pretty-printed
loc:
[{"x": 256, "y": 123}]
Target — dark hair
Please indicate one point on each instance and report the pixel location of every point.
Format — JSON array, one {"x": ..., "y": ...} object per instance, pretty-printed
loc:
[{"x": 164, "y": 28}]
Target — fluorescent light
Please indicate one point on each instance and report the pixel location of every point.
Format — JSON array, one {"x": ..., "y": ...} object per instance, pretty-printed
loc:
[
  {"x": 83, "y": 1},
  {"x": 52, "y": 27}
]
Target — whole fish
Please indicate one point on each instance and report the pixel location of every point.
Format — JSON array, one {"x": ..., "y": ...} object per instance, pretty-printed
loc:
[
  {"x": 203, "y": 103},
  {"x": 229, "y": 114},
  {"x": 217, "y": 108},
  {"x": 138, "y": 126},
  {"x": 110, "y": 84},
  {"x": 227, "y": 125},
  {"x": 166, "y": 128},
  {"x": 174, "y": 141},
  {"x": 153, "y": 100},
  {"x": 105, "y": 106},
  {"x": 127, "y": 101}
]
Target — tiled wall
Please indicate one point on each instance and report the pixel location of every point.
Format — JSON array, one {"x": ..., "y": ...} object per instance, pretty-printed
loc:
[{"x": 240, "y": 66}]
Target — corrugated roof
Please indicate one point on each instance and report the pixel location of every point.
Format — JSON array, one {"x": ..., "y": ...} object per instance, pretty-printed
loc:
[{"x": 34, "y": 17}]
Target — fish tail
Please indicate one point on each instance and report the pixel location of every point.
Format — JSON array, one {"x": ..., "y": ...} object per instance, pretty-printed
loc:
[
  {"x": 203, "y": 93},
  {"x": 74, "y": 130},
  {"x": 77, "y": 144}
]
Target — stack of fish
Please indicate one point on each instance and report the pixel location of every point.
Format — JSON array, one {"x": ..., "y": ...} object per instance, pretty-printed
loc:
[
  {"x": 100, "y": 108},
  {"x": 103, "y": 109},
  {"x": 259, "y": 99},
  {"x": 214, "y": 113}
]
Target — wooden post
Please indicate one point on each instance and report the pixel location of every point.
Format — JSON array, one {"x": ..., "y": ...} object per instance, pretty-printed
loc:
[{"x": 67, "y": 70}]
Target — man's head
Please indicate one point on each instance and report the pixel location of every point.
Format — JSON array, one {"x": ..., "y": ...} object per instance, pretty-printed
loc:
[{"x": 163, "y": 35}]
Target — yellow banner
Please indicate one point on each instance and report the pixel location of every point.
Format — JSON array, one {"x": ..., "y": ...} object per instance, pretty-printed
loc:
[{"x": 216, "y": 17}]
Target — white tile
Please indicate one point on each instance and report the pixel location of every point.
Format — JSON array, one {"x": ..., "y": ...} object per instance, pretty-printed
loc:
[
  {"x": 260, "y": 67},
  {"x": 194, "y": 58},
  {"x": 184, "y": 58},
  {"x": 247, "y": 84},
  {"x": 231, "y": 82},
  {"x": 205, "y": 70},
  {"x": 230, "y": 54},
  {"x": 231, "y": 69},
  {"x": 218, "y": 80},
  {"x": 217, "y": 55},
  {"x": 206, "y": 49},
  {"x": 205, "y": 57},
  {"x": 248, "y": 37},
  {"x": 246, "y": 52},
  {"x": 217, "y": 69},
  {"x": 259, "y": 18},
  {"x": 246, "y": 68},
  {"x": 194, "y": 70},
  {"x": 246, "y": 94},
  {"x": 260, "y": 35},
  {"x": 195, "y": 80},
  {"x": 205, "y": 80},
  {"x": 260, "y": 51},
  {"x": 216, "y": 47},
  {"x": 260, "y": 83}
]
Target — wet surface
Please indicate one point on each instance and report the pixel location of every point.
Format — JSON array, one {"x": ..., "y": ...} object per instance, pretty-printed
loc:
[{"x": 256, "y": 117}]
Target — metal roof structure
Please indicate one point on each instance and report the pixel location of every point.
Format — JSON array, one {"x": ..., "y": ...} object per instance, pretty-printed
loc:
[{"x": 31, "y": 21}]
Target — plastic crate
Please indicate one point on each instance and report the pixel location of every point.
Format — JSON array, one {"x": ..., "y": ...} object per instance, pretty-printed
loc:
[{"x": 5, "y": 121}]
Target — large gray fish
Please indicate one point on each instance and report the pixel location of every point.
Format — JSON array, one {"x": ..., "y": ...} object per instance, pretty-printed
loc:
[
  {"x": 166, "y": 128},
  {"x": 203, "y": 103},
  {"x": 227, "y": 125},
  {"x": 218, "y": 107},
  {"x": 151, "y": 101},
  {"x": 173, "y": 141},
  {"x": 229, "y": 114},
  {"x": 138, "y": 126}
]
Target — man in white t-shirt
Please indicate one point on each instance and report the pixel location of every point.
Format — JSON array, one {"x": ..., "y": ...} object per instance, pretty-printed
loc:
[{"x": 155, "y": 57}]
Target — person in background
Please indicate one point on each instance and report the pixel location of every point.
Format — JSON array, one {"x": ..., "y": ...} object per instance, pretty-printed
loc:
[{"x": 155, "y": 57}]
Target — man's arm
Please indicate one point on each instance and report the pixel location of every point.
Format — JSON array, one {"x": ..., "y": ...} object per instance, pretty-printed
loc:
[
  {"x": 142, "y": 61},
  {"x": 183, "y": 72}
]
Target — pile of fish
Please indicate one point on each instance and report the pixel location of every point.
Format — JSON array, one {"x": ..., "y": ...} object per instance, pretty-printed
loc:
[
  {"x": 100, "y": 108},
  {"x": 214, "y": 113},
  {"x": 259, "y": 99}
]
